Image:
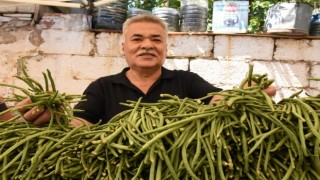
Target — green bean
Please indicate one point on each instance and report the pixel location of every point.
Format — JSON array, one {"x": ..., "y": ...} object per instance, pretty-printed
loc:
[
  {"x": 198, "y": 146},
  {"x": 159, "y": 171},
  {"x": 156, "y": 138},
  {"x": 186, "y": 163},
  {"x": 66, "y": 137},
  {"x": 25, "y": 140},
  {"x": 219, "y": 160},
  {"x": 183, "y": 136},
  {"x": 261, "y": 138},
  {"x": 245, "y": 150},
  {"x": 169, "y": 164}
]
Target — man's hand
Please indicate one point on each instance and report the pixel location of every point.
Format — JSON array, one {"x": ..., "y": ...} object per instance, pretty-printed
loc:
[
  {"x": 35, "y": 115},
  {"x": 79, "y": 122},
  {"x": 270, "y": 90}
]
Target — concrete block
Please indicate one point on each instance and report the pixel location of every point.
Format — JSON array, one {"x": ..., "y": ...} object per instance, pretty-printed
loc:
[
  {"x": 227, "y": 74},
  {"x": 285, "y": 74},
  {"x": 108, "y": 44},
  {"x": 28, "y": 8},
  {"x": 5, "y": 19},
  {"x": 8, "y": 67},
  {"x": 75, "y": 86},
  {"x": 297, "y": 50},
  {"x": 243, "y": 47},
  {"x": 179, "y": 64},
  {"x": 67, "y": 42},
  {"x": 313, "y": 91},
  {"x": 190, "y": 46},
  {"x": 286, "y": 92},
  {"x": 69, "y": 70},
  {"x": 220, "y": 73},
  {"x": 8, "y": 9},
  {"x": 75, "y": 67},
  {"x": 65, "y": 22},
  {"x": 314, "y": 73},
  {"x": 12, "y": 7},
  {"x": 16, "y": 42}
]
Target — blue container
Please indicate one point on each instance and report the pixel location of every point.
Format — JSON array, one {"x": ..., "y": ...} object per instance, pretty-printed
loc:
[{"x": 315, "y": 25}]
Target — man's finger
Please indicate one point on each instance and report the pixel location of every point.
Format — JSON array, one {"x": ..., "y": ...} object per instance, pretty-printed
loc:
[
  {"x": 270, "y": 90},
  {"x": 42, "y": 118},
  {"x": 32, "y": 114},
  {"x": 23, "y": 103}
]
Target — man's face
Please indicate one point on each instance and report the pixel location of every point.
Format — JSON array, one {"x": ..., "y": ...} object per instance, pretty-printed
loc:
[{"x": 145, "y": 45}]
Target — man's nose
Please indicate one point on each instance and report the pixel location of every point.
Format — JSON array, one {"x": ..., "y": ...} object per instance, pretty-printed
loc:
[{"x": 147, "y": 44}]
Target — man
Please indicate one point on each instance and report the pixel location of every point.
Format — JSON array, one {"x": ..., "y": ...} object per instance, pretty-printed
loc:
[
  {"x": 144, "y": 45},
  {"x": 2, "y": 105}
]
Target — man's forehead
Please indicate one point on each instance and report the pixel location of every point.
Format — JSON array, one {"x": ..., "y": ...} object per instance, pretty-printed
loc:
[{"x": 145, "y": 29}]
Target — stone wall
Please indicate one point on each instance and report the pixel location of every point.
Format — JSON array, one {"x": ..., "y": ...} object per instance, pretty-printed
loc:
[{"x": 76, "y": 55}]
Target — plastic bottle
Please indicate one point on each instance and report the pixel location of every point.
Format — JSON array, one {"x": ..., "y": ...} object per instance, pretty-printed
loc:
[
  {"x": 110, "y": 16},
  {"x": 170, "y": 15},
  {"x": 194, "y": 15}
]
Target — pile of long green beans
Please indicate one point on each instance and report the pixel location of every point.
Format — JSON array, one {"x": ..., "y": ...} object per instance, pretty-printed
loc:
[{"x": 246, "y": 135}]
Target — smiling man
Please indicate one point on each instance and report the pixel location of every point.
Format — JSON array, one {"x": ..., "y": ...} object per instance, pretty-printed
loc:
[{"x": 144, "y": 46}]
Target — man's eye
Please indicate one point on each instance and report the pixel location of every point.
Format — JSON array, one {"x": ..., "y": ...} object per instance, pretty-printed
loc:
[
  {"x": 157, "y": 40},
  {"x": 136, "y": 39}
]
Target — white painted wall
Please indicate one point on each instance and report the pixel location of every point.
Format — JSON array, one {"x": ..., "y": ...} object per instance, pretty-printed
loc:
[{"x": 76, "y": 56}]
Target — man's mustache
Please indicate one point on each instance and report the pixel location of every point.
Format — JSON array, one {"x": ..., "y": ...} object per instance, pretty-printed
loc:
[{"x": 147, "y": 52}]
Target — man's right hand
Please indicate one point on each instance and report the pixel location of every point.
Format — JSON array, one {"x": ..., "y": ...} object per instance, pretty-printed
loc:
[{"x": 36, "y": 115}]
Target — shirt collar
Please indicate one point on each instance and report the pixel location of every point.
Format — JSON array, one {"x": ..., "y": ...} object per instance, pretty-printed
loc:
[{"x": 121, "y": 77}]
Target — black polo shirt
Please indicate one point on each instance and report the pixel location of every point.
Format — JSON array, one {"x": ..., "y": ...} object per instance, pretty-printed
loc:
[
  {"x": 104, "y": 95},
  {"x": 3, "y": 106}
]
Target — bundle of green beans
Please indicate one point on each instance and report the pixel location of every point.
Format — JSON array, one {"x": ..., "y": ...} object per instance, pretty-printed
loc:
[
  {"x": 23, "y": 145},
  {"x": 244, "y": 136},
  {"x": 43, "y": 97}
]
